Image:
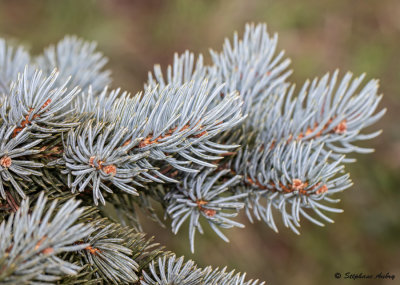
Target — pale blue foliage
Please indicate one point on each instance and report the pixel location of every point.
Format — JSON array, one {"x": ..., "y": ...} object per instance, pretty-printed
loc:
[
  {"x": 12, "y": 61},
  {"x": 171, "y": 271},
  {"x": 217, "y": 138},
  {"x": 327, "y": 110},
  {"x": 31, "y": 242},
  {"x": 36, "y": 103},
  {"x": 284, "y": 138},
  {"x": 294, "y": 178},
  {"x": 96, "y": 153},
  {"x": 14, "y": 164},
  {"x": 202, "y": 197},
  {"x": 111, "y": 257},
  {"x": 178, "y": 127},
  {"x": 78, "y": 59},
  {"x": 250, "y": 66}
]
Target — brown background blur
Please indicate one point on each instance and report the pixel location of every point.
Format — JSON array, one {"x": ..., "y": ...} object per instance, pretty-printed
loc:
[{"x": 319, "y": 36}]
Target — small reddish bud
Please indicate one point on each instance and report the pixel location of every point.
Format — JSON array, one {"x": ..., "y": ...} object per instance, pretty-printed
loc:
[
  {"x": 209, "y": 212},
  {"x": 92, "y": 250},
  {"x": 49, "y": 250},
  {"x": 5, "y": 161},
  {"x": 110, "y": 169},
  {"x": 321, "y": 190},
  {"x": 341, "y": 128},
  {"x": 297, "y": 184},
  {"x": 45, "y": 104},
  {"x": 91, "y": 161}
]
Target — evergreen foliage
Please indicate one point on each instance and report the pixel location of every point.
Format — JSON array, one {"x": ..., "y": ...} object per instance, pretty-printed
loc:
[{"x": 202, "y": 141}]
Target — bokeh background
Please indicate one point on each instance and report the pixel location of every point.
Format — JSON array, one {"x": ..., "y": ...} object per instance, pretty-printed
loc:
[{"x": 319, "y": 36}]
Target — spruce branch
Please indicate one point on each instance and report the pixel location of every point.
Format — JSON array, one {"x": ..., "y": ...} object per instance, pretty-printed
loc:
[
  {"x": 30, "y": 242},
  {"x": 16, "y": 161},
  {"x": 250, "y": 66},
  {"x": 38, "y": 104},
  {"x": 177, "y": 130},
  {"x": 106, "y": 252},
  {"x": 77, "y": 59},
  {"x": 327, "y": 110},
  {"x": 294, "y": 178},
  {"x": 202, "y": 197},
  {"x": 96, "y": 154},
  {"x": 171, "y": 270},
  {"x": 184, "y": 69},
  {"x": 12, "y": 61},
  {"x": 200, "y": 142}
]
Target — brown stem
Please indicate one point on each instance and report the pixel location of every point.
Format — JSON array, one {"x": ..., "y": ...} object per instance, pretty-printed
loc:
[{"x": 11, "y": 202}]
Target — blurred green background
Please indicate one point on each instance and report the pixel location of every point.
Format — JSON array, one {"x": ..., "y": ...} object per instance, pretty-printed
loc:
[{"x": 319, "y": 36}]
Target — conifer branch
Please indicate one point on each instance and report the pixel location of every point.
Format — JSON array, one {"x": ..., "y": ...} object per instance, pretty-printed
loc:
[{"x": 201, "y": 142}]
